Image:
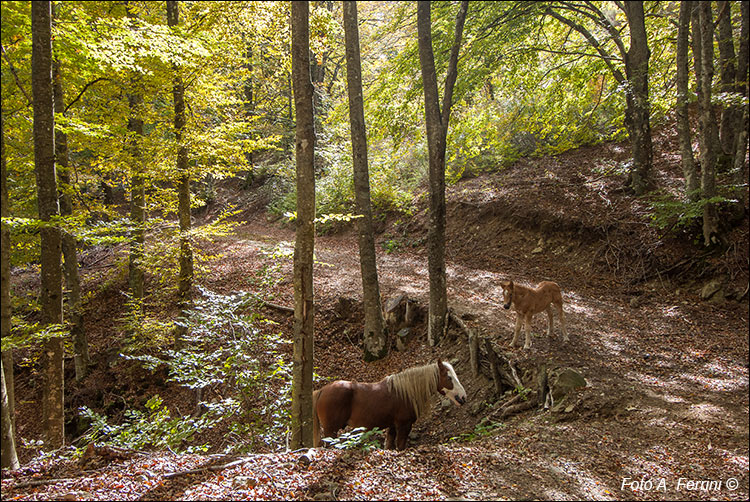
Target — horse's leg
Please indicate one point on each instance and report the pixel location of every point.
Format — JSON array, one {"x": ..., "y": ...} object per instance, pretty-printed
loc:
[
  {"x": 402, "y": 434},
  {"x": 390, "y": 438},
  {"x": 519, "y": 319},
  {"x": 549, "y": 320},
  {"x": 562, "y": 321},
  {"x": 527, "y": 321}
]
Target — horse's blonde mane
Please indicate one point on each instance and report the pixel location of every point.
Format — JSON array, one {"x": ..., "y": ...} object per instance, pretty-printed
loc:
[{"x": 416, "y": 386}]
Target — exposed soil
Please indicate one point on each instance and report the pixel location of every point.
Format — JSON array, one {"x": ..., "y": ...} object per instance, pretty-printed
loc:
[{"x": 666, "y": 402}]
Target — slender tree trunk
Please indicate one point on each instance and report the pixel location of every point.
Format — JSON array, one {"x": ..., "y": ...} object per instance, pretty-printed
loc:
[
  {"x": 437, "y": 133},
  {"x": 727, "y": 71},
  {"x": 137, "y": 193},
  {"x": 302, "y": 431},
  {"x": 742, "y": 86},
  {"x": 249, "y": 112},
  {"x": 683, "y": 121},
  {"x": 70, "y": 263},
  {"x": 9, "y": 455},
  {"x": 636, "y": 67},
  {"x": 186, "y": 250},
  {"x": 6, "y": 310},
  {"x": 709, "y": 131},
  {"x": 375, "y": 336},
  {"x": 51, "y": 253}
]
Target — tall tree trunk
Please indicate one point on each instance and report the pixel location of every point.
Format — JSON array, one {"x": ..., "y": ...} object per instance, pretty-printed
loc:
[
  {"x": 9, "y": 455},
  {"x": 375, "y": 341},
  {"x": 683, "y": 118},
  {"x": 70, "y": 255},
  {"x": 302, "y": 431},
  {"x": 249, "y": 112},
  {"x": 437, "y": 133},
  {"x": 137, "y": 192},
  {"x": 727, "y": 72},
  {"x": 709, "y": 136},
  {"x": 186, "y": 250},
  {"x": 51, "y": 253},
  {"x": 6, "y": 310},
  {"x": 742, "y": 86},
  {"x": 636, "y": 67}
]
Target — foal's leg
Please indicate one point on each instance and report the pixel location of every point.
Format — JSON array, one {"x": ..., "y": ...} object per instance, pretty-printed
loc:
[
  {"x": 527, "y": 320},
  {"x": 519, "y": 320},
  {"x": 562, "y": 321},
  {"x": 549, "y": 320}
]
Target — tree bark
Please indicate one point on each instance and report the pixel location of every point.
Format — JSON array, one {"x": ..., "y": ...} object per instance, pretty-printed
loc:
[
  {"x": 727, "y": 73},
  {"x": 636, "y": 68},
  {"x": 51, "y": 253},
  {"x": 375, "y": 341},
  {"x": 437, "y": 132},
  {"x": 9, "y": 455},
  {"x": 183, "y": 189},
  {"x": 740, "y": 168},
  {"x": 6, "y": 309},
  {"x": 81, "y": 357},
  {"x": 709, "y": 131},
  {"x": 137, "y": 193},
  {"x": 302, "y": 433},
  {"x": 683, "y": 118}
]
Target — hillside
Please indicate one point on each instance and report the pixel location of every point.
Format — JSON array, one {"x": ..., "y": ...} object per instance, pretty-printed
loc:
[{"x": 666, "y": 371}]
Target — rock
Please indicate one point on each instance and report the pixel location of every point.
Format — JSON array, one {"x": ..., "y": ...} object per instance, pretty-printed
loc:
[
  {"x": 476, "y": 407},
  {"x": 710, "y": 288},
  {"x": 403, "y": 337},
  {"x": 562, "y": 383},
  {"x": 244, "y": 482}
]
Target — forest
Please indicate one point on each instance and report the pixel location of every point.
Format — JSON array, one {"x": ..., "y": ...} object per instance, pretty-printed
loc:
[{"x": 375, "y": 250}]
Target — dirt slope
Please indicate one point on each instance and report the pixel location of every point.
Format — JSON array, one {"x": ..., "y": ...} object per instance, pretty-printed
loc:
[{"x": 667, "y": 373}]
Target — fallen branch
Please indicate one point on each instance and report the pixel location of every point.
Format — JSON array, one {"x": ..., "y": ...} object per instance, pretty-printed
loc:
[
  {"x": 41, "y": 482},
  {"x": 220, "y": 467}
]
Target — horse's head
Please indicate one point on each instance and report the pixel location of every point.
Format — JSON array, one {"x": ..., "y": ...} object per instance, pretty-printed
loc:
[
  {"x": 507, "y": 293},
  {"x": 448, "y": 384}
]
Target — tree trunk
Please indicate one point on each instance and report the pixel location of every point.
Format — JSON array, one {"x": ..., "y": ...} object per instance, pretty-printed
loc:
[
  {"x": 70, "y": 255},
  {"x": 9, "y": 455},
  {"x": 186, "y": 250},
  {"x": 375, "y": 336},
  {"x": 709, "y": 132},
  {"x": 636, "y": 67},
  {"x": 437, "y": 132},
  {"x": 302, "y": 433},
  {"x": 51, "y": 253},
  {"x": 6, "y": 310},
  {"x": 683, "y": 122},
  {"x": 137, "y": 193},
  {"x": 740, "y": 169},
  {"x": 727, "y": 71}
]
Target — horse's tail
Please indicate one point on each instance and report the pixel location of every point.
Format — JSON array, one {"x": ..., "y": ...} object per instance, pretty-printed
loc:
[{"x": 316, "y": 422}]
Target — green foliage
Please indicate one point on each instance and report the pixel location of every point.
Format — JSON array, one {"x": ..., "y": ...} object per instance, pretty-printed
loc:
[
  {"x": 357, "y": 439},
  {"x": 155, "y": 427},
  {"x": 483, "y": 428},
  {"x": 673, "y": 215}
]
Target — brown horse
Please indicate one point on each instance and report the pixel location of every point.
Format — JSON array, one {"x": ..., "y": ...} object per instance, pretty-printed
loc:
[{"x": 394, "y": 403}]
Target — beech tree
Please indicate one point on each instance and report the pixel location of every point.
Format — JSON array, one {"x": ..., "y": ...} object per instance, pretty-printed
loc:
[
  {"x": 183, "y": 186},
  {"x": 51, "y": 254},
  {"x": 635, "y": 79},
  {"x": 437, "y": 133},
  {"x": 683, "y": 121},
  {"x": 375, "y": 339},
  {"x": 302, "y": 370},
  {"x": 69, "y": 245}
]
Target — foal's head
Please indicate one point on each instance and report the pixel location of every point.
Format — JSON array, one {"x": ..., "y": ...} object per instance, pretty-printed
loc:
[
  {"x": 448, "y": 384},
  {"x": 507, "y": 293}
]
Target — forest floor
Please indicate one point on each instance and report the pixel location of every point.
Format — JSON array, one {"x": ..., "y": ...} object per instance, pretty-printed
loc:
[{"x": 664, "y": 414}]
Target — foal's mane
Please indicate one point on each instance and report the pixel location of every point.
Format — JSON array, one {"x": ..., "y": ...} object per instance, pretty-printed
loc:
[{"x": 416, "y": 386}]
